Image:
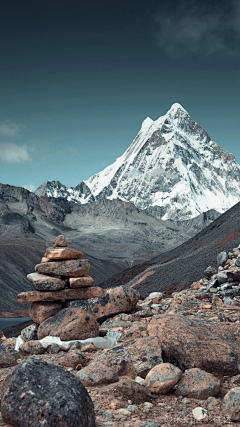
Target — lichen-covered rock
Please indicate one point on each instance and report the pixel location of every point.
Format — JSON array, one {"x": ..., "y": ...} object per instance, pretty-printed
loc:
[
  {"x": 6, "y": 358},
  {"x": 42, "y": 282},
  {"x": 208, "y": 344},
  {"x": 38, "y": 394},
  {"x": 42, "y": 310},
  {"x": 198, "y": 384},
  {"x": 31, "y": 348},
  {"x": 231, "y": 404},
  {"x": 133, "y": 357},
  {"x": 29, "y": 333},
  {"x": 116, "y": 300},
  {"x": 93, "y": 375},
  {"x": 70, "y": 324},
  {"x": 69, "y": 268},
  {"x": 162, "y": 378}
]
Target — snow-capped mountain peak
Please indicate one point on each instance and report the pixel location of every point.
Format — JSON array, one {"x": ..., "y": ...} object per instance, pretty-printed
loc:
[{"x": 172, "y": 168}]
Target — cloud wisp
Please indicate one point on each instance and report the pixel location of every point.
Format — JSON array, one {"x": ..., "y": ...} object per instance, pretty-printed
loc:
[
  {"x": 12, "y": 153},
  {"x": 206, "y": 28},
  {"x": 31, "y": 187},
  {"x": 8, "y": 128}
]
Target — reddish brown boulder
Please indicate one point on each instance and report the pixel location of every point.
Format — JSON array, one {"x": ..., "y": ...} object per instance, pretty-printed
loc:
[
  {"x": 62, "y": 253},
  {"x": 45, "y": 283},
  {"x": 30, "y": 348},
  {"x": 198, "y": 384},
  {"x": 90, "y": 376},
  {"x": 73, "y": 359},
  {"x": 162, "y": 378},
  {"x": 80, "y": 293},
  {"x": 81, "y": 282},
  {"x": 69, "y": 268},
  {"x": 70, "y": 324},
  {"x": 116, "y": 300},
  {"x": 231, "y": 404},
  {"x": 133, "y": 357},
  {"x": 192, "y": 342},
  {"x": 60, "y": 241},
  {"x": 40, "y": 311}
]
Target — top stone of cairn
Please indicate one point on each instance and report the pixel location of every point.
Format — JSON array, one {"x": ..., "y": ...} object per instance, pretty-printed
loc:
[{"x": 60, "y": 241}]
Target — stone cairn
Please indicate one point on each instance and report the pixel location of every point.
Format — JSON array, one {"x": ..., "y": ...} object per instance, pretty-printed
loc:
[{"x": 65, "y": 302}]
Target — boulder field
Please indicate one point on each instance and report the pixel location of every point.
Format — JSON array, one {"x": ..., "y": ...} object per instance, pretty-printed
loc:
[{"x": 177, "y": 362}]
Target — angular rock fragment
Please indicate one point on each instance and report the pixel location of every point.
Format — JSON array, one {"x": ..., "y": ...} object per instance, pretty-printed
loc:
[
  {"x": 40, "y": 311},
  {"x": 62, "y": 253},
  {"x": 60, "y": 241},
  {"x": 70, "y": 324},
  {"x": 40, "y": 394},
  {"x": 31, "y": 348},
  {"x": 73, "y": 359},
  {"x": 83, "y": 293},
  {"x": 68, "y": 268},
  {"x": 90, "y": 376},
  {"x": 45, "y": 283},
  {"x": 129, "y": 389},
  {"x": 29, "y": 333}
]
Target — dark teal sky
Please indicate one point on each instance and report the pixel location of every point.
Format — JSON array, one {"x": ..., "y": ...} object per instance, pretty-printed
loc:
[{"x": 77, "y": 80}]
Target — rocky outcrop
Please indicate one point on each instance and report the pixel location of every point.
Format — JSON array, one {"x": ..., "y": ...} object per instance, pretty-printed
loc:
[{"x": 196, "y": 342}]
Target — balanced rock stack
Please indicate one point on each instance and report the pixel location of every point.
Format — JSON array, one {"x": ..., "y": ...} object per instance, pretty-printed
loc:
[
  {"x": 65, "y": 303},
  {"x": 61, "y": 276}
]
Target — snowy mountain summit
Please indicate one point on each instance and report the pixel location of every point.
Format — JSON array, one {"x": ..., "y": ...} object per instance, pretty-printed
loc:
[{"x": 172, "y": 168}]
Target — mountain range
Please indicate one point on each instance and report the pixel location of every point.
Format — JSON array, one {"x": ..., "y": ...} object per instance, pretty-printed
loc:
[{"x": 172, "y": 169}]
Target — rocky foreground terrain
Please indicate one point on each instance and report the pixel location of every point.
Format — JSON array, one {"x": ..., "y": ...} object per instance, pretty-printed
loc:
[{"x": 175, "y": 364}]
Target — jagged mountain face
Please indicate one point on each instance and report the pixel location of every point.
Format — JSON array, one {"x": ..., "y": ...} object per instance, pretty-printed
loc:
[{"x": 172, "y": 168}]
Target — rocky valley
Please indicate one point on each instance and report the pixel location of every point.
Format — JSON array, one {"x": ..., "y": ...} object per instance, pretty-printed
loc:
[{"x": 174, "y": 360}]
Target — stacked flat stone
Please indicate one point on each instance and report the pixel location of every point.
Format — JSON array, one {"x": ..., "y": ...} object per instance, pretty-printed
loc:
[{"x": 61, "y": 275}]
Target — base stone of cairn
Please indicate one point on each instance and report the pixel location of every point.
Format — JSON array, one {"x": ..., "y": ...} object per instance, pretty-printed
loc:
[
  {"x": 70, "y": 324},
  {"x": 61, "y": 281},
  {"x": 41, "y": 311}
]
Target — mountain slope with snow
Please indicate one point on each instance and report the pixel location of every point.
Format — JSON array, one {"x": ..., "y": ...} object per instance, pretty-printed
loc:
[{"x": 172, "y": 168}]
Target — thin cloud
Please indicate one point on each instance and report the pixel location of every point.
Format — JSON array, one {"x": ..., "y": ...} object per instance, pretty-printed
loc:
[
  {"x": 193, "y": 27},
  {"x": 30, "y": 187},
  {"x": 12, "y": 153},
  {"x": 8, "y": 128}
]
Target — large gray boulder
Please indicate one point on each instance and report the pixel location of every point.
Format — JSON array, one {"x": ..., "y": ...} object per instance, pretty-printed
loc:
[{"x": 40, "y": 394}]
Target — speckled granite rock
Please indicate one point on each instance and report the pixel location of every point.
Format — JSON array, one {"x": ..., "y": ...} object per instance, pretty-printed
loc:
[{"x": 37, "y": 393}]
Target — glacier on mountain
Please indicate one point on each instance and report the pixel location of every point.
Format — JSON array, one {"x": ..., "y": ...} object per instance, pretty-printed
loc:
[{"x": 173, "y": 169}]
